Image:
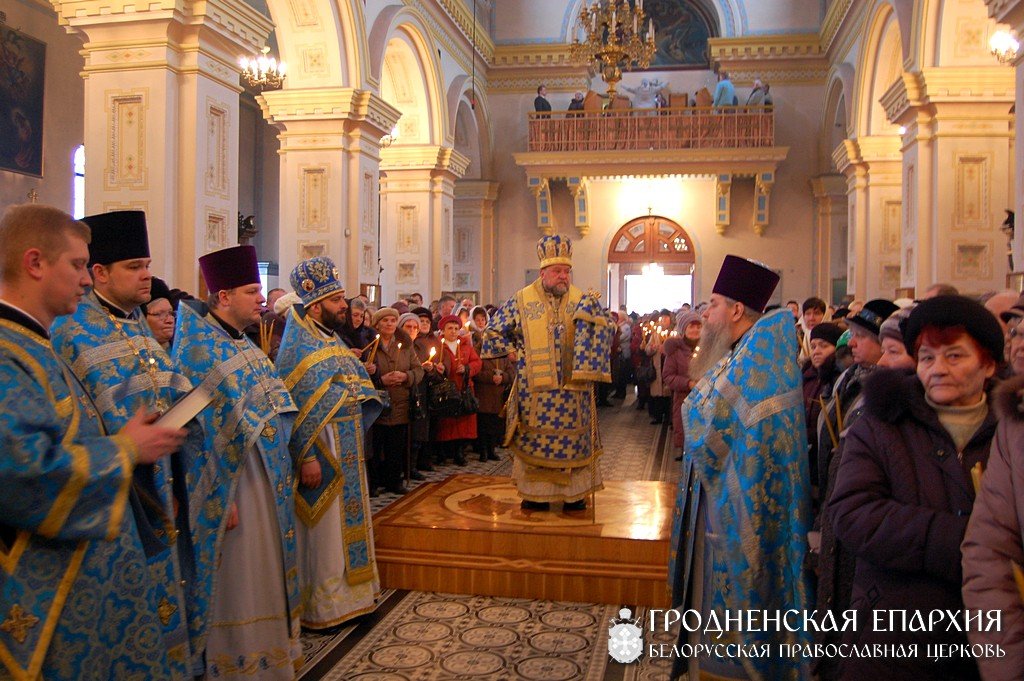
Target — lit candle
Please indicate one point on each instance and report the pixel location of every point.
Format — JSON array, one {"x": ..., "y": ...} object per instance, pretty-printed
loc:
[
  {"x": 433, "y": 351},
  {"x": 399, "y": 346},
  {"x": 650, "y": 29},
  {"x": 613, "y": 21},
  {"x": 593, "y": 28}
]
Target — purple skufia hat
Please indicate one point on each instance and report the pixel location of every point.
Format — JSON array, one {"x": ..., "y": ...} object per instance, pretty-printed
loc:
[
  {"x": 230, "y": 268},
  {"x": 746, "y": 281}
]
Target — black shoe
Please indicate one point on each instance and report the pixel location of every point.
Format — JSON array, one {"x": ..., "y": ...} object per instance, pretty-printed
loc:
[
  {"x": 416, "y": 475},
  {"x": 483, "y": 457},
  {"x": 491, "y": 456},
  {"x": 399, "y": 490},
  {"x": 425, "y": 467},
  {"x": 534, "y": 505},
  {"x": 460, "y": 460},
  {"x": 578, "y": 505},
  {"x": 679, "y": 458},
  {"x": 374, "y": 492}
]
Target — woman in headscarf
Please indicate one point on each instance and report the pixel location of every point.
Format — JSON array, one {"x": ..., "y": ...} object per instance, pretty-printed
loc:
[{"x": 679, "y": 350}]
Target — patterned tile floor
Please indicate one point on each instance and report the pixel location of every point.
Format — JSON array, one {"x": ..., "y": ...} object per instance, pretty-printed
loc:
[{"x": 421, "y": 636}]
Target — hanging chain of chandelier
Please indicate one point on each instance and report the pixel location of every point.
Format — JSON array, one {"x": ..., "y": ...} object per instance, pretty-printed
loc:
[
  {"x": 263, "y": 72},
  {"x": 616, "y": 36}
]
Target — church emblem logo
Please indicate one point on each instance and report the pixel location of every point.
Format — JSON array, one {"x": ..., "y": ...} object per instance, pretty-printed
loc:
[{"x": 625, "y": 638}]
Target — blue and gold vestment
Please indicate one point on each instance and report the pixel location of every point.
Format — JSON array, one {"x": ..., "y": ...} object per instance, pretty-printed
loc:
[
  {"x": 124, "y": 369},
  {"x": 564, "y": 346},
  {"x": 333, "y": 390},
  {"x": 76, "y": 598},
  {"x": 251, "y": 408},
  {"x": 745, "y": 471}
]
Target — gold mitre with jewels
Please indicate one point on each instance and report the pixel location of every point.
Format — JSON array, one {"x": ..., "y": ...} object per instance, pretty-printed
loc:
[{"x": 554, "y": 249}]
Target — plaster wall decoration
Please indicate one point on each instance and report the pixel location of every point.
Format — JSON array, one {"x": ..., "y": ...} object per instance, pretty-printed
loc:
[
  {"x": 111, "y": 206},
  {"x": 463, "y": 245},
  {"x": 304, "y": 14},
  {"x": 118, "y": 56},
  {"x": 407, "y": 273},
  {"x": 314, "y": 59},
  {"x": 215, "y": 233},
  {"x": 971, "y": 38},
  {"x": 446, "y": 276},
  {"x": 368, "y": 262},
  {"x": 909, "y": 263},
  {"x": 973, "y": 177},
  {"x": 972, "y": 260},
  {"x": 463, "y": 281},
  {"x": 446, "y": 225},
  {"x": 312, "y": 249},
  {"x": 366, "y": 198},
  {"x": 891, "y": 211},
  {"x": 313, "y": 199},
  {"x": 409, "y": 126},
  {"x": 890, "y": 276},
  {"x": 126, "y": 134},
  {"x": 218, "y": 129},
  {"x": 408, "y": 232}
]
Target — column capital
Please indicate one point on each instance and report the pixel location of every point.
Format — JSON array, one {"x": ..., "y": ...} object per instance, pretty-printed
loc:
[
  {"x": 829, "y": 184},
  {"x": 348, "y": 105},
  {"x": 438, "y": 159}
]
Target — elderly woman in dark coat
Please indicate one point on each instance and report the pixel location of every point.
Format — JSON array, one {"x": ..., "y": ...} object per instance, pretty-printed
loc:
[
  {"x": 992, "y": 545},
  {"x": 679, "y": 350},
  {"x": 903, "y": 491}
]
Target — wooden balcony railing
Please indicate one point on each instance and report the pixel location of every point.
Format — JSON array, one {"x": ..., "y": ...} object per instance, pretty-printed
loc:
[{"x": 652, "y": 129}]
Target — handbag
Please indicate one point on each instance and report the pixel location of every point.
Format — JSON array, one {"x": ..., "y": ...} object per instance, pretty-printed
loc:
[
  {"x": 470, "y": 404},
  {"x": 646, "y": 373},
  {"x": 444, "y": 400},
  {"x": 385, "y": 401}
]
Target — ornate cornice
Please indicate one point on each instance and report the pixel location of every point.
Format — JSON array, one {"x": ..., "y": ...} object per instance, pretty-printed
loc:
[
  {"x": 463, "y": 18},
  {"x": 1007, "y": 12},
  {"x": 547, "y": 54},
  {"x": 967, "y": 83},
  {"x": 831, "y": 184},
  {"x": 778, "y": 58},
  {"x": 867, "y": 150},
  {"x": 837, "y": 13},
  {"x": 738, "y": 162}
]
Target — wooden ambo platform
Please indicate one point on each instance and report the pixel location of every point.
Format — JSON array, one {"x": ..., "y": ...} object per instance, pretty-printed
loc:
[{"x": 467, "y": 534}]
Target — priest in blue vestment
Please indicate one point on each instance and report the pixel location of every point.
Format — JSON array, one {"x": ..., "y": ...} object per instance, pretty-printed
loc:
[
  {"x": 111, "y": 350},
  {"x": 742, "y": 511},
  {"x": 76, "y": 597},
  {"x": 338, "y": 403},
  {"x": 241, "y": 504}
]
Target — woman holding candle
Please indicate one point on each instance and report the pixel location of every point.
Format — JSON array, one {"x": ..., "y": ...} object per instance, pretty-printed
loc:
[
  {"x": 428, "y": 346},
  {"x": 459, "y": 362},
  {"x": 397, "y": 370},
  {"x": 357, "y": 332},
  {"x": 419, "y": 421}
]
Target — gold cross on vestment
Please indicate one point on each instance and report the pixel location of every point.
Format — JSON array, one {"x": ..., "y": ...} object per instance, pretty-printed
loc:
[{"x": 18, "y": 623}]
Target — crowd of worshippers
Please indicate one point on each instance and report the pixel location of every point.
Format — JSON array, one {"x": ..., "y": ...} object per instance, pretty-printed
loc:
[
  {"x": 896, "y": 493},
  {"x": 914, "y": 414}
]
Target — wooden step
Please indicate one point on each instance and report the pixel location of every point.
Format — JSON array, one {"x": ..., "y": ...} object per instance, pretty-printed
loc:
[{"x": 468, "y": 534}]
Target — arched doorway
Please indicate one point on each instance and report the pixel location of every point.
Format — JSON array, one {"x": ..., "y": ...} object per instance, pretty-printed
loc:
[{"x": 650, "y": 264}]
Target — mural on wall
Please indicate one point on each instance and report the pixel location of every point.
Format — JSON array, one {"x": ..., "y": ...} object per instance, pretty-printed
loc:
[
  {"x": 22, "y": 71},
  {"x": 681, "y": 33}
]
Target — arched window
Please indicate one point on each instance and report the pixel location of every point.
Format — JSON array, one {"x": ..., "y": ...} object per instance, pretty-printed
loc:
[{"x": 78, "y": 188}]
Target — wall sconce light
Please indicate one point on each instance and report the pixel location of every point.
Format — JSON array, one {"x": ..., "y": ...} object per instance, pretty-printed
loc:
[
  {"x": 390, "y": 138},
  {"x": 1003, "y": 45}
]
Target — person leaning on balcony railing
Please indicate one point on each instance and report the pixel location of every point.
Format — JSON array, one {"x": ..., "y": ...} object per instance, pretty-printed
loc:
[
  {"x": 540, "y": 102},
  {"x": 725, "y": 93}
]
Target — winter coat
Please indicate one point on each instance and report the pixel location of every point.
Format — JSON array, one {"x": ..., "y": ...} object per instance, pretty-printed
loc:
[
  {"x": 490, "y": 394},
  {"x": 816, "y": 382},
  {"x": 420, "y": 428},
  {"x": 459, "y": 427},
  {"x": 676, "y": 374},
  {"x": 655, "y": 349},
  {"x": 993, "y": 540},
  {"x": 901, "y": 501},
  {"x": 393, "y": 359}
]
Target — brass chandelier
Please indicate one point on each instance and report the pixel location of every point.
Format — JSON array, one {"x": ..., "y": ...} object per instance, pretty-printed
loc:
[
  {"x": 612, "y": 40},
  {"x": 263, "y": 72}
]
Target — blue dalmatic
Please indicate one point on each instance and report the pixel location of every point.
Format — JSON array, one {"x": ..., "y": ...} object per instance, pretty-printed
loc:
[
  {"x": 745, "y": 467},
  {"x": 124, "y": 369},
  {"x": 76, "y": 598},
  {"x": 250, "y": 408},
  {"x": 334, "y": 391}
]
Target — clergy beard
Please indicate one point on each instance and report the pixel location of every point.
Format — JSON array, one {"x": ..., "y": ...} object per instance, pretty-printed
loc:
[
  {"x": 714, "y": 344},
  {"x": 558, "y": 290},
  {"x": 334, "y": 322}
]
